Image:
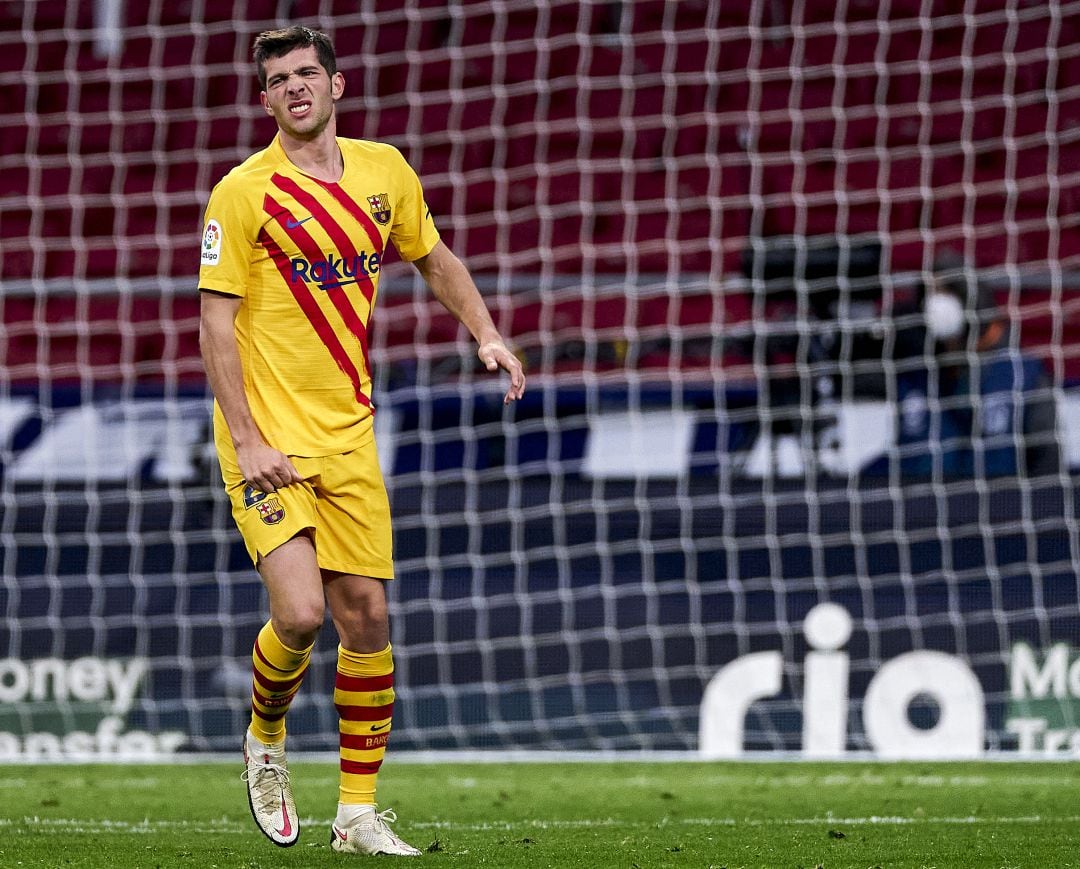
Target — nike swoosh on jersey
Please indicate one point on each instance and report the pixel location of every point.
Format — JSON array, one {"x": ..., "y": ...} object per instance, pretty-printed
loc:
[
  {"x": 375, "y": 729},
  {"x": 292, "y": 224}
]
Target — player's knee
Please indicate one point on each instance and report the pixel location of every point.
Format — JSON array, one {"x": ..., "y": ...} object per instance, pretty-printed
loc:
[
  {"x": 373, "y": 608},
  {"x": 299, "y": 627},
  {"x": 364, "y": 622}
]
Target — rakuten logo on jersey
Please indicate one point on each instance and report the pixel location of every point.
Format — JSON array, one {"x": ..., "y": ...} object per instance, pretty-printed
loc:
[{"x": 335, "y": 272}]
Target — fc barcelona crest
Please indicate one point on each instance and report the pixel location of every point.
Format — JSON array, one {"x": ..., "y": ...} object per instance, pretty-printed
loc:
[
  {"x": 380, "y": 207},
  {"x": 271, "y": 512}
]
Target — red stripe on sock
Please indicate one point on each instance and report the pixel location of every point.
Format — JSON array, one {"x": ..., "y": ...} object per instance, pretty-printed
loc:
[
  {"x": 365, "y": 713},
  {"x": 256, "y": 711},
  {"x": 277, "y": 687},
  {"x": 364, "y": 683},
  {"x": 355, "y": 767},
  {"x": 265, "y": 660},
  {"x": 273, "y": 702},
  {"x": 362, "y": 741}
]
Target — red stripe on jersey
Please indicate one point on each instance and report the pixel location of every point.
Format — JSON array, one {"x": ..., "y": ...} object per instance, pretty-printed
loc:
[
  {"x": 364, "y": 713},
  {"x": 364, "y": 683},
  {"x": 323, "y": 217},
  {"x": 311, "y": 309},
  {"x": 355, "y": 767},
  {"x": 312, "y": 253},
  {"x": 355, "y": 212},
  {"x": 347, "y": 250}
]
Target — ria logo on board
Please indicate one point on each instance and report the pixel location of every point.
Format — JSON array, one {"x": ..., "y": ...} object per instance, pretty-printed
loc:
[{"x": 1042, "y": 712}]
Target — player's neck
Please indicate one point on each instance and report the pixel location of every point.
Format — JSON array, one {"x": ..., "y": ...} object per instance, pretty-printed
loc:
[{"x": 319, "y": 157}]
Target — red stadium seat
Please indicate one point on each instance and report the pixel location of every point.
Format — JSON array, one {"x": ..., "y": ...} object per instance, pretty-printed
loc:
[{"x": 574, "y": 137}]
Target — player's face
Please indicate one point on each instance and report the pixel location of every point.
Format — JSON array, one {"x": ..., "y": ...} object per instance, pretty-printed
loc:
[{"x": 300, "y": 94}]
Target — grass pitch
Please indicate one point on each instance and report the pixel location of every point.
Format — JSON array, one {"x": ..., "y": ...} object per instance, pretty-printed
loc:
[{"x": 627, "y": 814}]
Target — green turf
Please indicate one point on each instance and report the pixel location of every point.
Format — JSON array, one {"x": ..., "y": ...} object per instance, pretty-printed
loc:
[{"x": 564, "y": 815}]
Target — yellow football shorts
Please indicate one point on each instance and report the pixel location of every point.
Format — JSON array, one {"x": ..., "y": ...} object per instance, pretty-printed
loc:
[{"x": 342, "y": 500}]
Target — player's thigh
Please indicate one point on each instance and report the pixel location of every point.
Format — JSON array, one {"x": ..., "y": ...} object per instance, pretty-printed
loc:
[
  {"x": 294, "y": 585},
  {"x": 353, "y": 534}
]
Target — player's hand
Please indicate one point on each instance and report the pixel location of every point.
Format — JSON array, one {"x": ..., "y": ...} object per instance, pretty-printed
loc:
[
  {"x": 496, "y": 355},
  {"x": 265, "y": 468}
]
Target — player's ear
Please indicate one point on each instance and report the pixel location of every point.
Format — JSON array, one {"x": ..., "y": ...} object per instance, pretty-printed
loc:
[
  {"x": 265, "y": 103},
  {"x": 337, "y": 85}
]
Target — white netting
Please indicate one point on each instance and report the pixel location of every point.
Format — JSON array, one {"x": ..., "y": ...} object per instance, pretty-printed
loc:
[{"x": 706, "y": 225}]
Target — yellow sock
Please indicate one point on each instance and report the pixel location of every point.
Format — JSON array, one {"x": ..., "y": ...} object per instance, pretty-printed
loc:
[
  {"x": 364, "y": 696},
  {"x": 277, "y": 672}
]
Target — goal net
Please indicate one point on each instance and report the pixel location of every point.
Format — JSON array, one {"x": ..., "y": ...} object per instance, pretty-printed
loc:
[{"x": 795, "y": 284}]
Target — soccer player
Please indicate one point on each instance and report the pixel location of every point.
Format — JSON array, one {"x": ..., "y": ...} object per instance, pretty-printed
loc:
[{"x": 293, "y": 244}]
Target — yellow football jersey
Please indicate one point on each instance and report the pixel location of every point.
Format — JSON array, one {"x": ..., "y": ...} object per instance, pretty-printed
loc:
[{"x": 304, "y": 256}]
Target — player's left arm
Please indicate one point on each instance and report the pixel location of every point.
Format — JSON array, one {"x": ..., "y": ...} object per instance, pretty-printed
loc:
[{"x": 453, "y": 286}]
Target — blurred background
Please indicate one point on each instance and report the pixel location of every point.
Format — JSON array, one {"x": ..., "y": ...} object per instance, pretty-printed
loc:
[{"x": 722, "y": 235}]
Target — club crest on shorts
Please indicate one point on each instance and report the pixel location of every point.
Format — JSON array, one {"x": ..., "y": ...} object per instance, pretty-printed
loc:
[
  {"x": 252, "y": 496},
  {"x": 271, "y": 512},
  {"x": 380, "y": 207}
]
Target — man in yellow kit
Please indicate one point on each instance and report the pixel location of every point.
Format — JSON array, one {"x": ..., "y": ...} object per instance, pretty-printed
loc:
[{"x": 292, "y": 248}]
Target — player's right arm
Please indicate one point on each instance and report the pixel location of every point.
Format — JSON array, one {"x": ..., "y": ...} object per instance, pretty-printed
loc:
[
  {"x": 261, "y": 465},
  {"x": 231, "y": 226}
]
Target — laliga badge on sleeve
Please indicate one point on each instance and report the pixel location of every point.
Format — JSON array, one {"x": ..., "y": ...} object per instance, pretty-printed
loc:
[{"x": 211, "y": 243}]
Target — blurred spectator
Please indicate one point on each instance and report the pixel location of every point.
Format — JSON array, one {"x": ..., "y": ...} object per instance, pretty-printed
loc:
[
  {"x": 980, "y": 406},
  {"x": 819, "y": 295}
]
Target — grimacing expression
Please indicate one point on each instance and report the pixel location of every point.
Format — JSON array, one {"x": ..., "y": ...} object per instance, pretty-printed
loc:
[{"x": 300, "y": 94}]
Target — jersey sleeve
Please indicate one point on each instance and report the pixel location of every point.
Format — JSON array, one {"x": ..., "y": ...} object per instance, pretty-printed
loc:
[
  {"x": 413, "y": 231},
  {"x": 227, "y": 241}
]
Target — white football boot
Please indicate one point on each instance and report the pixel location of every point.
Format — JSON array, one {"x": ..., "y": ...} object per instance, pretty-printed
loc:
[
  {"x": 269, "y": 792},
  {"x": 370, "y": 834}
]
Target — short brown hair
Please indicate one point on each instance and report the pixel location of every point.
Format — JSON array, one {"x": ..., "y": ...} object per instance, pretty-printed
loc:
[{"x": 278, "y": 43}]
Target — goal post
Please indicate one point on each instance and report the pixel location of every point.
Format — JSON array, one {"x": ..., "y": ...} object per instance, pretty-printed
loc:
[{"x": 756, "y": 498}]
